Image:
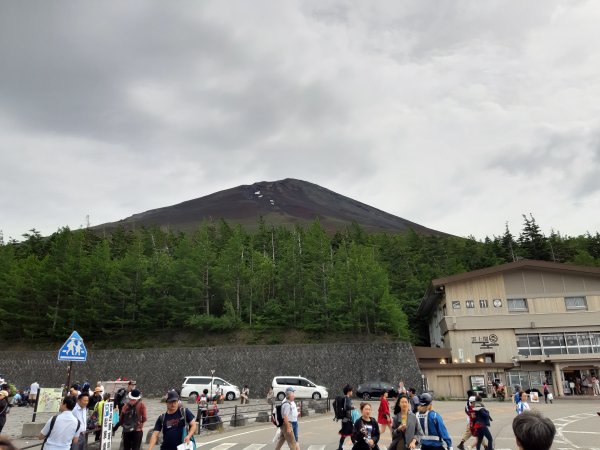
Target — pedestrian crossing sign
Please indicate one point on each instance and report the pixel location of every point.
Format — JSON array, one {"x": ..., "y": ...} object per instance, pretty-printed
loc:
[{"x": 73, "y": 349}]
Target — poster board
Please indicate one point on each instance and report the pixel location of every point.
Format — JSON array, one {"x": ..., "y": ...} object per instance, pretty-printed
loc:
[
  {"x": 49, "y": 400},
  {"x": 535, "y": 398},
  {"x": 107, "y": 426}
]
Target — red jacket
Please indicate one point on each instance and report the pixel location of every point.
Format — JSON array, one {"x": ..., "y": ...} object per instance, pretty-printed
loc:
[{"x": 383, "y": 416}]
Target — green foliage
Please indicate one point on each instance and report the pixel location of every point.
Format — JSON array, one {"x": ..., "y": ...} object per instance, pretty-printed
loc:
[{"x": 221, "y": 278}]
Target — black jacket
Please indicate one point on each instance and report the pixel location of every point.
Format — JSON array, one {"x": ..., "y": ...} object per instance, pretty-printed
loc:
[{"x": 358, "y": 437}]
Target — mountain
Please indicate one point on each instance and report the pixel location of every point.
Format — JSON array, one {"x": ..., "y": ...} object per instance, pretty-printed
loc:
[{"x": 285, "y": 202}]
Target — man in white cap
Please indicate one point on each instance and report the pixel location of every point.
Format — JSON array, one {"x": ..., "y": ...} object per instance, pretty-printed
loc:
[
  {"x": 289, "y": 429},
  {"x": 132, "y": 418}
]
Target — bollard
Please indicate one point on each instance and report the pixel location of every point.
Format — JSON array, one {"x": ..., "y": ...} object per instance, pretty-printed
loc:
[
  {"x": 263, "y": 416},
  {"x": 238, "y": 420}
]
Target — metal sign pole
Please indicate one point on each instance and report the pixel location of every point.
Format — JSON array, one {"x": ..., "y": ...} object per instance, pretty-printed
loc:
[
  {"x": 68, "y": 386},
  {"x": 35, "y": 406}
]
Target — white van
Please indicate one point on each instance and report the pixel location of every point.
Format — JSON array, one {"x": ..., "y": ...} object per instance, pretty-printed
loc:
[
  {"x": 303, "y": 387},
  {"x": 195, "y": 384}
]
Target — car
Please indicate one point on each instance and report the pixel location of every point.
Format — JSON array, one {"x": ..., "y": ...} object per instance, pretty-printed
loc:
[
  {"x": 195, "y": 384},
  {"x": 372, "y": 389},
  {"x": 303, "y": 387}
]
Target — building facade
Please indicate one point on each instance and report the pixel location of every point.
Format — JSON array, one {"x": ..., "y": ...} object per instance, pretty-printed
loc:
[{"x": 520, "y": 323}]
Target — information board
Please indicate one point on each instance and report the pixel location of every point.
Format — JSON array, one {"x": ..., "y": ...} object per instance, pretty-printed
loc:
[{"x": 49, "y": 400}]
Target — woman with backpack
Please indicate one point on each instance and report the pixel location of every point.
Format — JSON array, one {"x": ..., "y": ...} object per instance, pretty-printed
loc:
[
  {"x": 344, "y": 413},
  {"x": 405, "y": 426},
  {"x": 366, "y": 430}
]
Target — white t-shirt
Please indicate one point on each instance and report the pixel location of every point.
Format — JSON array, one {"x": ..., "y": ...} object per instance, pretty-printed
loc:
[
  {"x": 33, "y": 389},
  {"x": 289, "y": 410}
]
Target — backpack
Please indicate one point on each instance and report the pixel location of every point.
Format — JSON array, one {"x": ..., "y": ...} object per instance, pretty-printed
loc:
[
  {"x": 120, "y": 396},
  {"x": 276, "y": 416},
  {"x": 339, "y": 407},
  {"x": 129, "y": 419}
]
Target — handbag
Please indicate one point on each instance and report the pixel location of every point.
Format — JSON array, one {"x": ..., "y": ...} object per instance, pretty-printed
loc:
[{"x": 185, "y": 430}]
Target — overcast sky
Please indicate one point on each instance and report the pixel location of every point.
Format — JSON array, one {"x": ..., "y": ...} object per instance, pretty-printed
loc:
[{"x": 460, "y": 116}]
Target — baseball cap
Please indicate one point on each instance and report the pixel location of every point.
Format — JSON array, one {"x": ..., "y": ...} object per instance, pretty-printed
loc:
[
  {"x": 172, "y": 396},
  {"x": 425, "y": 399},
  {"x": 472, "y": 399},
  {"x": 289, "y": 389}
]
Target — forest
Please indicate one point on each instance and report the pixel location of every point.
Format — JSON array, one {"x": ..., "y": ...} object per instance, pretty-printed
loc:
[{"x": 222, "y": 278}]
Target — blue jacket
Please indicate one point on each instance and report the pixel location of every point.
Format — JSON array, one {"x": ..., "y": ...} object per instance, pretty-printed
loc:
[{"x": 433, "y": 427}]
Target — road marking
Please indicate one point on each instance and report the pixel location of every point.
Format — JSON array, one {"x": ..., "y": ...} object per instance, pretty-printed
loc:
[
  {"x": 268, "y": 427},
  {"x": 255, "y": 446},
  {"x": 582, "y": 432},
  {"x": 225, "y": 446},
  {"x": 316, "y": 447}
]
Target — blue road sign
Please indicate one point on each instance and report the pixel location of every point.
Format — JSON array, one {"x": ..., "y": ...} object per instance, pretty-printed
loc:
[{"x": 73, "y": 349}]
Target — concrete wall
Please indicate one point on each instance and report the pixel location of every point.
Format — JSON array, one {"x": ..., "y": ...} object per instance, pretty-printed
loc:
[{"x": 157, "y": 370}]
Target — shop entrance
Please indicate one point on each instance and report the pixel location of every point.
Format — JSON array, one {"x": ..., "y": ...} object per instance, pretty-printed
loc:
[{"x": 578, "y": 381}]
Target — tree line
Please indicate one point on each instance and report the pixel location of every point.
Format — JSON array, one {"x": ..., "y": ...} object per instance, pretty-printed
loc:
[{"x": 223, "y": 278}]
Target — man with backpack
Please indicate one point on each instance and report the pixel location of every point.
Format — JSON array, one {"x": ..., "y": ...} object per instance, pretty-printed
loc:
[
  {"x": 132, "y": 419},
  {"x": 177, "y": 425},
  {"x": 435, "y": 433},
  {"x": 62, "y": 430},
  {"x": 121, "y": 398},
  {"x": 343, "y": 411},
  {"x": 288, "y": 431},
  {"x": 482, "y": 422}
]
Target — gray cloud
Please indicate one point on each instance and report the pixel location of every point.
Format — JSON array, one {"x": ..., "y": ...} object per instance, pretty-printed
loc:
[{"x": 431, "y": 111}]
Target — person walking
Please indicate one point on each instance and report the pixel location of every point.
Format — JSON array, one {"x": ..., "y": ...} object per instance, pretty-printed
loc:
[
  {"x": 366, "y": 431},
  {"x": 289, "y": 429},
  {"x": 347, "y": 425},
  {"x": 99, "y": 413},
  {"x": 482, "y": 423},
  {"x": 80, "y": 411},
  {"x": 435, "y": 433},
  {"x": 384, "y": 418},
  {"x": 546, "y": 392},
  {"x": 401, "y": 388},
  {"x": 4, "y": 406},
  {"x": 270, "y": 396},
  {"x": 132, "y": 418},
  {"x": 63, "y": 430},
  {"x": 414, "y": 400},
  {"x": 405, "y": 426},
  {"x": 33, "y": 392},
  {"x": 470, "y": 412},
  {"x": 523, "y": 405},
  {"x": 173, "y": 424}
]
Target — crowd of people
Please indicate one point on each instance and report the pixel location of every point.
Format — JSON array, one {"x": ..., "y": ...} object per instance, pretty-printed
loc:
[{"x": 411, "y": 422}]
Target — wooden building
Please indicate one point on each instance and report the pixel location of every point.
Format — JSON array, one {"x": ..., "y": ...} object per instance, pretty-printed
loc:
[{"x": 519, "y": 323}]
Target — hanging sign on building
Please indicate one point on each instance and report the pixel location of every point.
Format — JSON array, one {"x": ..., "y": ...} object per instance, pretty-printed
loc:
[{"x": 487, "y": 342}]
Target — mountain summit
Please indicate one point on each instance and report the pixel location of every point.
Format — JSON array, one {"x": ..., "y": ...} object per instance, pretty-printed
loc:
[{"x": 286, "y": 202}]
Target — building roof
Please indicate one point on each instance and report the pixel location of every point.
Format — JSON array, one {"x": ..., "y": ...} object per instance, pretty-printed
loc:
[{"x": 436, "y": 288}]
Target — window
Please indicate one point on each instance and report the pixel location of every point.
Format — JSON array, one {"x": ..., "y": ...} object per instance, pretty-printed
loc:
[
  {"x": 576, "y": 303},
  {"x": 483, "y": 304},
  {"x": 517, "y": 305},
  {"x": 470, "y": 304}
]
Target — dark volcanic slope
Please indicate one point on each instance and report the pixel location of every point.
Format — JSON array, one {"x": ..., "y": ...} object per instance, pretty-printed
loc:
[{"x": 285, "y": 202}]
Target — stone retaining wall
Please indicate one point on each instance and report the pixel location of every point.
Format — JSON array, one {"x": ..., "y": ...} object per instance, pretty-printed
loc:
[{"x": 158, "y": 369}]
